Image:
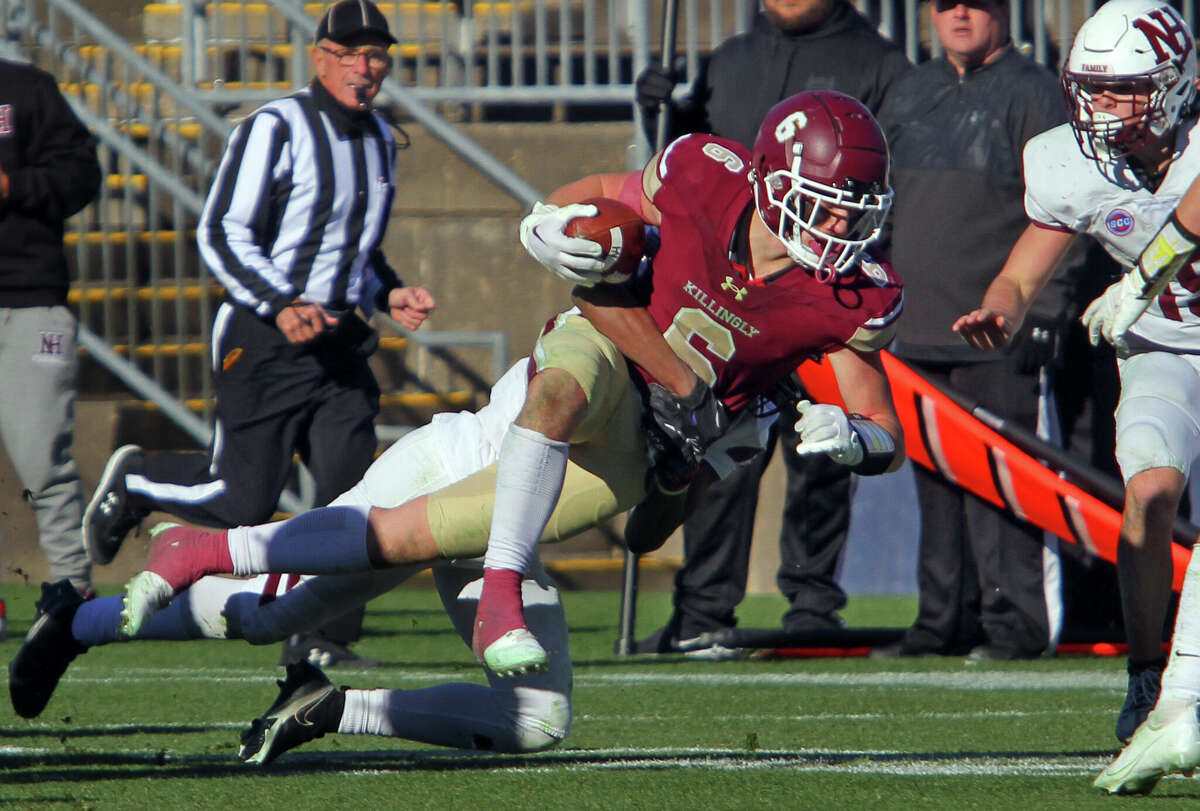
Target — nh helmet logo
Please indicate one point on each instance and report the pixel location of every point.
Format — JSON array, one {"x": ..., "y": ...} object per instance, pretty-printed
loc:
[
  {"x": 786, "y": 129},
  {"x": 1171, "y": 32},
  {"x": 1119, "y": 222}
]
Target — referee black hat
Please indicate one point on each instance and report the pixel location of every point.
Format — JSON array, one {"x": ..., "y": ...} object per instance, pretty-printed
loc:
[{"x": 347, "y": 19}]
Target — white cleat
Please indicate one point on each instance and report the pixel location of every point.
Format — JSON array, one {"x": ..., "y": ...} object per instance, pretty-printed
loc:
[
  {"x": 1166, "y": 743},
  {"x": 515, "y": 653},
  {"x": 145, "y": 595}
]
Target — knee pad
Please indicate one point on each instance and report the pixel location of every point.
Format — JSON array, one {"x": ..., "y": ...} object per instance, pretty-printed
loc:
[
  {"x": 1152, "y": 432},
  {"x": 543, "y": 718}
]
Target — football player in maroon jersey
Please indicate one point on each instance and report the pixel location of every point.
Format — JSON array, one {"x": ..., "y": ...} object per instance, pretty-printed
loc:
[{"x": 761, "y": 264}]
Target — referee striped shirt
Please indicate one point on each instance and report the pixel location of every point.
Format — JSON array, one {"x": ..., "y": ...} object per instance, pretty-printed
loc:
[{"x": 299, "y": 207}]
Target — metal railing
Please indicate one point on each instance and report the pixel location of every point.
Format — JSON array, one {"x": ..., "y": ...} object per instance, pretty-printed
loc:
[{"x": 140, "y": 289}]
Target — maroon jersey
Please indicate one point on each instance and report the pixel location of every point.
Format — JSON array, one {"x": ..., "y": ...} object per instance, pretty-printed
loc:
[{"x": 741, "y": 336}]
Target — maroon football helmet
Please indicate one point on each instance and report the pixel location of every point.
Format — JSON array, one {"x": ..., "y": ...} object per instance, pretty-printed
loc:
[{"x": 816, "y": 151}]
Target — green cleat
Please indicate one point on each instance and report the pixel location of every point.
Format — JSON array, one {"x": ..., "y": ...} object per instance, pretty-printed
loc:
[
  {"x": 514, "y": 653},
  {"x": 1168, "y": 742}
]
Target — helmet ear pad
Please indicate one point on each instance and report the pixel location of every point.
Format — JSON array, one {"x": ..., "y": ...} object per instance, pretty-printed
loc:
[{"x": 816, "y": 151}]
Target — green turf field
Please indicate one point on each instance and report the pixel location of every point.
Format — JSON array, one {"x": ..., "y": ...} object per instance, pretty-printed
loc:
[{"x": 156, "y": 725}]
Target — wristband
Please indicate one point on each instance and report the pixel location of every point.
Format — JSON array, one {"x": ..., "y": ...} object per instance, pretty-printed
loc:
[{"x": 879, "y": 449}]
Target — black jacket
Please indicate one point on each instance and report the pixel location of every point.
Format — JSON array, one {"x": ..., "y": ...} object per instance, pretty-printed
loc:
[
  {"x": 956, "y": 145},
  {"x": 50, "y": 159},
  {"x": 749, "y": 73}
]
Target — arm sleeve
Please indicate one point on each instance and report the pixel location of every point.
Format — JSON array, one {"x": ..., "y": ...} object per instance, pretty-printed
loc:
[
  {"x": 377, "y": 284},
  {"x": 237, "y": 208},
  {"x": 63, "y": 174}
]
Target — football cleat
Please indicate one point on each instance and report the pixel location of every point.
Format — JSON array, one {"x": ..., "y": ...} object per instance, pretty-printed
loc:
[
  {"x": 48, "y": 649},
  {"x": 1140, "y": 698},
  {"x": 322, "y": 652},
  {"x": 1167, "y": 743},
  {"x": 308, "y": 706},
  {"x": 109, "y": 517},
  {"x": 515, "y": 652}
]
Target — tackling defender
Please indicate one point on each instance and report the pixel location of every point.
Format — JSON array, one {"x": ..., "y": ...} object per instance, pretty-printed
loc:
[
  {"x": 761, "y": 265},
  {"x": 1119, "y": 171}
]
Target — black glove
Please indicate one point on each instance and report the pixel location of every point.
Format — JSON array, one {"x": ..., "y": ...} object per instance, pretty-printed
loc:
[
  {"x": 654, "y": 85},
  {"x": 690, "y": 424}
]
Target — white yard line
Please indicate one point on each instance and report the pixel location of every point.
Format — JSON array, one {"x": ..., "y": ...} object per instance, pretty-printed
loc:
[{"x": 971, "y": 680}]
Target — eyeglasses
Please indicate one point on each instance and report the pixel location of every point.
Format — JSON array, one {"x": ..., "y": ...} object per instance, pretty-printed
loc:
[
  {"x": 942, "y": 6},
  {"x": 376, "y": 57}
]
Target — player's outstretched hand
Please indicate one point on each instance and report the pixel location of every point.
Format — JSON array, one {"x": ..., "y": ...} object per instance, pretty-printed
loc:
[
  {"x": 983, "y": 329},
  {"x": 826, "y": 429},
  {"x": 410, "y": 306},
  {"x": 578, "y": 260},
  {"x": 1114, "y": 311}
]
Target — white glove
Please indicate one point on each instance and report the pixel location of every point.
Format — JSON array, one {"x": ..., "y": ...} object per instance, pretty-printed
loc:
[
  {"x": 826, "y": 429},
  {"x": 572, "y": 258},
  {"x": 1115, "y": 310}
]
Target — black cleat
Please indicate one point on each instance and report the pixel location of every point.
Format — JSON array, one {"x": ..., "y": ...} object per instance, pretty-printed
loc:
[
  {"x": 320, "y": 651},
  {"x": 308, "y": 706},
  {"x": 48, "y": 649},
  {"x": 1145, "y": 681},
  {"x": 108, "y": 517}
]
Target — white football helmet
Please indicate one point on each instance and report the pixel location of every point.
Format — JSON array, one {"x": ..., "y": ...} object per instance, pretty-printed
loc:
[{"x": 1129, "y": 47}]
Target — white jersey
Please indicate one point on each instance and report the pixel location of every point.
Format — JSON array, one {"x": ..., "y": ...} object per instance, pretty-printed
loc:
[{"x": 1064, "y": 189}]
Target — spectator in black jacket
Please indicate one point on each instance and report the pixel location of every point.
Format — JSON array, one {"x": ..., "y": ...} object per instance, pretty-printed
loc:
[
  {"x": 956, "y": 127},
  {"x": 793, "y": 46},
  {"x": 48, "y": 171}
]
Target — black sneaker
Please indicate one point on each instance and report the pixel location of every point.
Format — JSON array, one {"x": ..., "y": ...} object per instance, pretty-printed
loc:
[
  {"x": 48, "y": 649},
  {"x": 321, "y": 651},
  {"x": 1145, "y": 680},
  {"x": 109, "y": 517},
  {"x": 308, "y": 706}
]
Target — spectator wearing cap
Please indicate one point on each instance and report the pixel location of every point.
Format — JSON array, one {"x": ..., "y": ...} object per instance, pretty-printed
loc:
[{"x": 292, "y": 229}]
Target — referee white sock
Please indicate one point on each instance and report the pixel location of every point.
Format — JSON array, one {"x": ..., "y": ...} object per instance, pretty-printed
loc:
[
  {"x": 1181, "y": 678},
  {"x": 528, "y": 482},
  {"x": 329, "y": 540}
]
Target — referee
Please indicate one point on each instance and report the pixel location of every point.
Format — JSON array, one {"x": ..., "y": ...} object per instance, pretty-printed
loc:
[{"x": 291, "y": 228}]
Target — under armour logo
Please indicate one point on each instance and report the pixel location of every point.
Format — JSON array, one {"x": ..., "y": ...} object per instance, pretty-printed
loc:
[{"x": 729, "y": 287}]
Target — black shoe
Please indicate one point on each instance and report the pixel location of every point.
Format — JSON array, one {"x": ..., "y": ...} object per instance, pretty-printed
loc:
[
  {"x": 1145, "y": 681},
  {"x": 320, "y": 651},
  {"x": 109, "y": 516},
  {"x": 801, "y": 622},
  {"x": 998, "y": 653},
  {"x": 48, "y": 649},
  {"x": 902, "y": 649},
  {"x": 308, "y": 706}
]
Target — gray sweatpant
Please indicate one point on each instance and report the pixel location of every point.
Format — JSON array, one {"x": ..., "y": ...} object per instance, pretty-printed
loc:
[{"x": 38, "y": 370}]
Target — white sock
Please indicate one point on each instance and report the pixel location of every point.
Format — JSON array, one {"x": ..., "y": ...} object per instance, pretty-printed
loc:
[
  {"x": 463, "y": 716},
  {"x": 528, "y": 482},
  {"x": 1181, "y": 678},
  {"x": 329, "y": 540}
]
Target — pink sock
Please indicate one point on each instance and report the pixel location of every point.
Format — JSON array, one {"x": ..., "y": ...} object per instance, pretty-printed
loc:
[
  {"x": 182, "y": 555},
  {"x": 499, "y": 610}
]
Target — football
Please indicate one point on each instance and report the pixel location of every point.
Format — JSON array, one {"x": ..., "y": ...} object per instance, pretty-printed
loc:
[{"x": 619, "y": 230}]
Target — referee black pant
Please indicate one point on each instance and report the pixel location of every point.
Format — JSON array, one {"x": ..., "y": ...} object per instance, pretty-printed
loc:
[{"x": 274, "y": 399}]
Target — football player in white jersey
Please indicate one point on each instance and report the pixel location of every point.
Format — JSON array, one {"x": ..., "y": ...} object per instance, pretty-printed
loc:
[
  {"x": 523, "y": 713},
  {"x": 1120, "y": 170}
]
